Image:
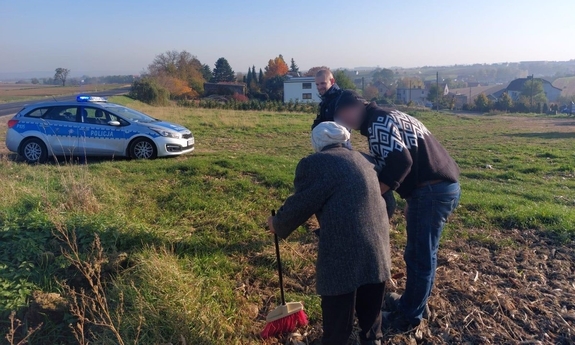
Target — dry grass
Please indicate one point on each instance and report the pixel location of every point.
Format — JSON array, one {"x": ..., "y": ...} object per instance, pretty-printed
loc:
[
  {"x": 200, "y": 268},
  {"x": 19, "y": 92}
]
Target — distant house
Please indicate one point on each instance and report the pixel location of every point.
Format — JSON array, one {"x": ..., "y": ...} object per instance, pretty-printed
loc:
[
  {"x": 442, "y": 86},
  {"x": 459, "y": 100},
  {"x": 516, "y": 86},
  {"x": 301, "y": 89},
  {"x": 493, "y": 92},
  {"x": 416, "y": 95},
  {"x": 383, "y": 89},
  {"x": 224, "y": 88}
]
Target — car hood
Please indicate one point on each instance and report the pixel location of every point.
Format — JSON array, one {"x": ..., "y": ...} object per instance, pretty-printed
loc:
[{"x": 167, "y": 125}]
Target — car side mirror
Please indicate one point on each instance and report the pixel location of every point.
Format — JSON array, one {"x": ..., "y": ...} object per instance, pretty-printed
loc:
[{"x": 114, "y": 123}]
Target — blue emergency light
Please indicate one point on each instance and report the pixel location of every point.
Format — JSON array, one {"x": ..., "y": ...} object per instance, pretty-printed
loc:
[{"x": 86, "y": 98}]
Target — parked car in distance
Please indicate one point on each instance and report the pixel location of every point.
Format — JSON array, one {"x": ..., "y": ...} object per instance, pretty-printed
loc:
[{"x": 90, "y": 126}]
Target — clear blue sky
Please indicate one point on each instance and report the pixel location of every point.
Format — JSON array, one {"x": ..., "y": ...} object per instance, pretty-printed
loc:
[{"x": 124, "y": 36}]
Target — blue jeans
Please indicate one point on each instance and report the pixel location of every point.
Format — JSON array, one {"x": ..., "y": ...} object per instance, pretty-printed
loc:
[{"x": 428, "y": 209}]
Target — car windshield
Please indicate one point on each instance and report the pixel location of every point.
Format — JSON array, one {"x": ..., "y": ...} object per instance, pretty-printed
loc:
[{"x": 132, "y": 115}]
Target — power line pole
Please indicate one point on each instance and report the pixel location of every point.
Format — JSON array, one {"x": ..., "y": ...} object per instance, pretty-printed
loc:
[
  {"x": 532, "y": 82},
  {"x": 437, "y": 97}
]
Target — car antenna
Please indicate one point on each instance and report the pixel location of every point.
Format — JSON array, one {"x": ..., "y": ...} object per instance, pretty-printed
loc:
[{"x": 55, "y": 100}]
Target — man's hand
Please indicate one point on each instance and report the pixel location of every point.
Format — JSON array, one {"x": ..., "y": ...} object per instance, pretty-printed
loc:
[
  {"x": 384, "y": 188},
  {"x": 271, "y": 224}
]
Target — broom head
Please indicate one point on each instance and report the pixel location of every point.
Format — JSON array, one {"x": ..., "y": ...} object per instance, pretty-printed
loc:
[{"x": 284, "y": 319}]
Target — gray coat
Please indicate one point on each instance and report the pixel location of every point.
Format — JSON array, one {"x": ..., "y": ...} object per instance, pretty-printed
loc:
[{"x": 341, "y": 188}]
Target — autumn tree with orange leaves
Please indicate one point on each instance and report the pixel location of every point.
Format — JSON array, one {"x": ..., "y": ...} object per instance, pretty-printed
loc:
[
  {"x": 178, "y": 88},
  {"x": 276, "y": 68}
]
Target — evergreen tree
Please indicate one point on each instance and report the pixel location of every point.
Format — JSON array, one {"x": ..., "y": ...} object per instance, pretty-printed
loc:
[
  {"x": 249, "y": 77},
  {"x": 293, "y": 67},
  {"x": 261, "y": 77},
  {"x": 206, "y": 72},
  {"x": 254, "y": 75},
  {"x": 223, "y": 72}
]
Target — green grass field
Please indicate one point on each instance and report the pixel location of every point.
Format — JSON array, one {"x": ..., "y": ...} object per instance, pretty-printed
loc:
[{"x": 187, "y": 256}]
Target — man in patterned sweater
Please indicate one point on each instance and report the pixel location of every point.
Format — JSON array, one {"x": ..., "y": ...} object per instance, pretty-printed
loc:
[
  {"x": 414, "y": 164},
  {"x": 330, "y": 94}
]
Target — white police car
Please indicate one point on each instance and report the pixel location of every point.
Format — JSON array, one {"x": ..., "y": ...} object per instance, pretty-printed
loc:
[{"x": 90, "y": 126}]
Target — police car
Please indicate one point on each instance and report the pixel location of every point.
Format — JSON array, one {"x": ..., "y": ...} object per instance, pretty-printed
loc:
[{"x": 90, "y": 126}]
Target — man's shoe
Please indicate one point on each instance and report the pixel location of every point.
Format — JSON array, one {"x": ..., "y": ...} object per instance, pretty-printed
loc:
[
  {"x": 392, "y": 304},
  {"x": 394, "y": 321},
  {"x": 370, "y": 342}
]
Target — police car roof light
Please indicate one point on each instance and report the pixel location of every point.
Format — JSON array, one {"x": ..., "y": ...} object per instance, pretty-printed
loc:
[{"x": 85, "y": 98}]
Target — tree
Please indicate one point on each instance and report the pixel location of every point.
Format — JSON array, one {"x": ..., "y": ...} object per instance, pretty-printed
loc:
[
  {"x": 505, "y": 102},
  {"x": 383, "y": 75},
  {"x": 276, "y": 68},
  {"x": 343, "y": 80},
  {"x": 275, "y": 87},
  {"x": 370, "y": 93},
  {"x": 410, "y": 82},
  {"x": 177, "y": 88},
  {"x": 35, "y": 81},
  {"x": 293, "y": 67},
  {"x": 223, "y": 72},
  {"x": 261, "y": 77},
  {"x": 534, "y": 91},
  {"x": 181, "y": 65},
  {"x": 482, "y": 103},
  {"x": 206, "y": 72},
  {"x": 313, "y": 71},
  {"x": 249, "y": 77},
  {"x": 147, "y": 90},
  {"x": 61, "y": 75}
]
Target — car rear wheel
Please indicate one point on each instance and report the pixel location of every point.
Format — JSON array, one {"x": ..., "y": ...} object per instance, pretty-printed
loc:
[
  {"x": 143, "y": 148},
  {"x": 34, "y": 151}
]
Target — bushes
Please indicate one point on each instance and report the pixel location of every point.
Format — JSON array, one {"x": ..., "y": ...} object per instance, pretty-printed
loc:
[
  {"x": 148, "y": 91},
  {"x": 233, "y": 104}
]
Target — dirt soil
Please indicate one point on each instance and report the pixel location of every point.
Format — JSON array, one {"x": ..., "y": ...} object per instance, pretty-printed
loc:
[{"x": 520, "y": 293}]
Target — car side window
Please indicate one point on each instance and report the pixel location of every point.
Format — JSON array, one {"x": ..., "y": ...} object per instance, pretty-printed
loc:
[
  {"x": 68, "y": 114},
  {"x": 38, "y": 112},
  {"x": 99, "y": 116}
]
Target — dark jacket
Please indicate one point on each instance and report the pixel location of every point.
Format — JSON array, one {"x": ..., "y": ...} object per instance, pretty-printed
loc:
[
  {"x": 340, "y": 187},
  {"x": 405, "y": 150},
  {"x": 327, "y": 105}
]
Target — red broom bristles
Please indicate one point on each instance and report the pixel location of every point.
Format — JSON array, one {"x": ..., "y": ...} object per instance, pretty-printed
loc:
[{"x": 286, "y": 324}]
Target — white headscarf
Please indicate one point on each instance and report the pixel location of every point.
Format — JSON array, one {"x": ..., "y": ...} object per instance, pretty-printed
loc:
[{"x": 329, "y": 133}]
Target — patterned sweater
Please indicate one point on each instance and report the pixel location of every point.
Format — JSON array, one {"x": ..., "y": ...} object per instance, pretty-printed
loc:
[
  {"x": 340, "y": 187},
  {"x": 405, "y": 150}
]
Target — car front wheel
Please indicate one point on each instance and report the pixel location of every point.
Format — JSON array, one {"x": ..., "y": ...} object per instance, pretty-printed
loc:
[
  {"x": 34, "y": 151},
  {"x": 143, "y": 148}
]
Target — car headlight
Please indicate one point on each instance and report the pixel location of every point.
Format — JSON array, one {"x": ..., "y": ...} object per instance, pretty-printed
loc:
[{"x": 166, "y": 133}]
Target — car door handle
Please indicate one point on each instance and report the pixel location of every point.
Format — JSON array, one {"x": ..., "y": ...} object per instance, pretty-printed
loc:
[{"x": 84, "y": 129}]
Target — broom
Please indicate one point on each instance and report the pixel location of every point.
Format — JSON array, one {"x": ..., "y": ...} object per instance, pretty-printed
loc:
[{"x": 288, "y": 316}]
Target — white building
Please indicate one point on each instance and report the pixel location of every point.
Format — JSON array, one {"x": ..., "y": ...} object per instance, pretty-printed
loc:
[
  {"x": 301, "y": 89},
  {"x": 416, "y": 95}
]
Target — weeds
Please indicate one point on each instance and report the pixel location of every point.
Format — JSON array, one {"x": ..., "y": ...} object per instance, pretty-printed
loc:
[
  {"x": 15, "y": 324},
  {"x": 89, "y": 305},
  {"x": 198, "y": 258}
]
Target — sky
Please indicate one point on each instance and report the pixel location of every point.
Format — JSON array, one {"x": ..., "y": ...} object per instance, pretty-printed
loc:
[{"x": 123, "y": 37}]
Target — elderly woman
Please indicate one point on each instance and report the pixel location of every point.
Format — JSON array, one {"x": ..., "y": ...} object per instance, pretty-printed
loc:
[{"x": 341, "y": 188}]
